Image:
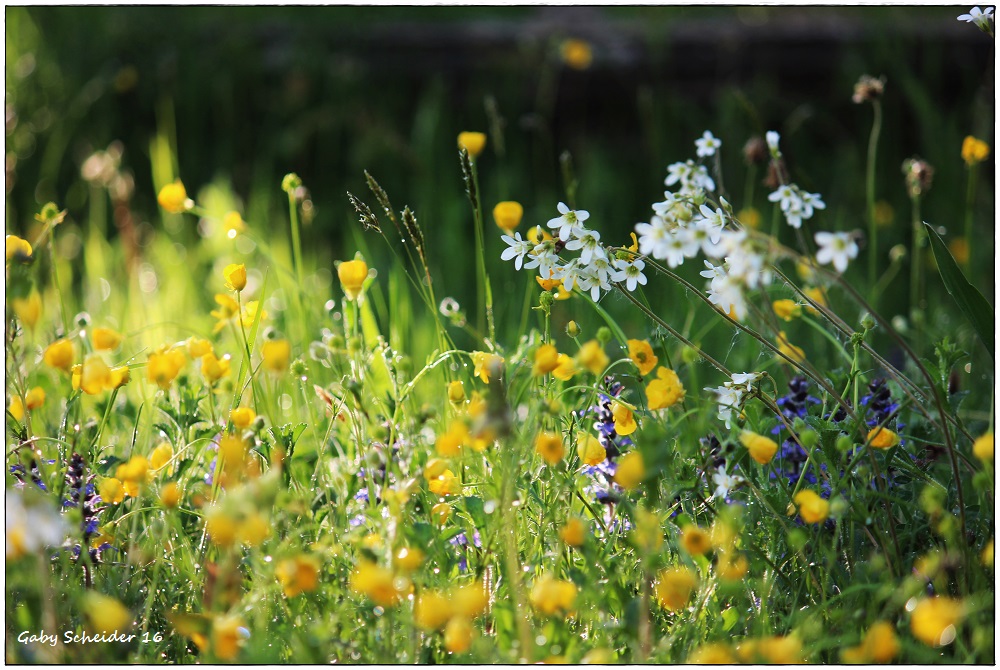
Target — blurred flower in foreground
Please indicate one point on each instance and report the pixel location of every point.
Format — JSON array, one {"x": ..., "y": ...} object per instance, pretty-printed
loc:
[
  {"x": 868, "y": 88},
  {"x": 29, "y": 309},
  {"x": 276, "y": 355},
  {"x": 982, "y": 448},
  {"x": 18, "y": 249},
  {"x": 550, "y": 595},
  {"x": 507, "y": 215},
  {"x": 297, "y": 575},
  {"x": 974, "y": 151},
  {"x": 106, "y": 614},
  {"x": 30, "y": 529},
  {"x": 576, "y": 53},
  {"x": 233, "y": 224},
  {"x": 376, "y": 583},
  {"x": 674, "y": 587},
  {"x": 880, "y": 645},
  {"x": 812, "y": 508},
  {"x": 934, "y": 620},
  {"x": 173, "y": 198},
  {"x": 472, "y": 142}
]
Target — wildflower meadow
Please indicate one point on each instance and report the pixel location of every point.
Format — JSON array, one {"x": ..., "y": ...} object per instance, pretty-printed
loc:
[{"x": 488, "y": 392}]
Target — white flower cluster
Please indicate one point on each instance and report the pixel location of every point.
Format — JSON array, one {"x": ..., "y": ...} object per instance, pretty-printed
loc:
[
  {"x": 797, "y": 205},
  {"x": 593, "y": 270},
  {"x": 979, "y": 17},
  {"x": 730, "y": 395}
]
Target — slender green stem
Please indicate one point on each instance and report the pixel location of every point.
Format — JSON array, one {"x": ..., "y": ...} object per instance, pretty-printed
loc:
[
  {"x": 870, "y": 194},
  {"x": 970, "y": 196},
  {"x": 293, "y": 214},
  {"x": 916, "y": 254}
]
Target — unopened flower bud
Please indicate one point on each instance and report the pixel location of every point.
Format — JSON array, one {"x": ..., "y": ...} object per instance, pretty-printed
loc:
[
  {"x": 867, "y": 321},
  {"x": 299, "y": 367},
  {"x": 573, "y": 329},
  {"x": 897, "y": 253},
  {"x": 809, "y": 438},
  {"x": 844, "y": 443},
  {"x": 603, "y": 335},
  {"x": 290, "y": 183}
]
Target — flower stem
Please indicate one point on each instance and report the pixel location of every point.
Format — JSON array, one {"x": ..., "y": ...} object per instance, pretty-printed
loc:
[
  {"x": 969, "y": 199},
  {"x": 870, "y": 194}
]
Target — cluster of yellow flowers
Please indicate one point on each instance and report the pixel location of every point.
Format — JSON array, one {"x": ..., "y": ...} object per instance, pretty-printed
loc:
[{"x": 453, "y": 611}]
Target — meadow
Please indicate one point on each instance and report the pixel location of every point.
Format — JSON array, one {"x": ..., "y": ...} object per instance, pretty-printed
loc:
[{"x": 369, "y": 365}]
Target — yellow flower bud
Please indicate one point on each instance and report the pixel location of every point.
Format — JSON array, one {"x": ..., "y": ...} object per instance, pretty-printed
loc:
[
  {"x": 105, "y": 339},
  {"x": 352, "y": 276},
  {"x": 472, "y": 142},
  {"x": 173, "y": 198},
  {"x": 236, "y": 276},
  {"x": 507, "y": 215}
]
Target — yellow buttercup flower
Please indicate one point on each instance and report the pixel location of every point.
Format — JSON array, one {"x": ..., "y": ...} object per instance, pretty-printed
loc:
[
  {"x": 409, "y": 559},
  {"x": 161, "y": 456},
  {"x": 674, "y": 587},
  {"x": 16, "y": 408},
  {"x": 776, "y": 649},
  {"x": 18, "y": 249},
  {"x": 712, "y": 653},
  {"x": 227, "y": 637},
  {"x": 440, "y": 513},
  {"x": 106, "y": 614},
  {"x": 469, "y": 600},
  {"x": 546, "y": 360},
  {"x": 550, "y": 595},
  {"x": 432, "y": 609},
  {"x": 934, "y": 620},
  {"x": 105, "y": 339},
  {"x": 812, "y": 508},
  {"x": 631, "y": 470},
  {"x": 458, "y": 635},
  {"x": 173, "y": 198},
  {"x": 95, "y": 375},
  {"x": 573, "y": 532},
  {"x": 170, "y": 495},
  {"x": 297, "y": 575},
  {"x": 507, "y": 215},
  {"x": 565, "y": 367},
  {"x": 249, "y": 314},
  {"x": 590, "y": 450},
  {"x": 624, "y": 419},
  {"x": 236, "y": 276},
  {"x": 445, "y": 484},
  {"x": 882, "y": 438},
  {"x": 111, "y": 490},
  {"x": 485, "y": 365},
  {"x": 228, "y": 308},
  {"x": 880, "y": 645},
  {"x": 59, "y": 355},
  {"x": 233, "y": 224},
  {"x": 665, "y": 391},
  {"x": 242, "y": 417},
  {"x": 376, "y": 583},
  {"x": 214, "y": 369},
  {"x": 276, "y": 354},
  {"x": 163, "y": 366},
  {"x": 788, "y": 349},
  {"x": 472, "y": 142},
  {"x": 974, "y": 151},
  {"x": 576, "y": 53},
  {"x": 550, "y": 447},
  {"x": 592, "y": 357},
  {"x": 641, "y": 353},
  {"x": 761, "y": 448},
  {"x": 119, "y": 376},
  {"x": 982, "y": 448},
  {"x": 29, "y": 309},
  {"x": 352, "y": 275},
  {"x": 786, "y": 309},
  {"x": 695, "y": 540},
  {"x": 34, "y": 398},
  {"x": 731, "y": 567},
  {"x": 450, "y": 443}
]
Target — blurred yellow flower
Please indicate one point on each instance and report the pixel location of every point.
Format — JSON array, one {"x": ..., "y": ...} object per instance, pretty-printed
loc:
[
  {"x": 59, "y": 355},
  {"x": 631, "y": 470},
  {"x": 959, "y": 248},
  {"x": 16, "y": 408},
  {"x": 376, "y": 583},
  {"x": 624, "y": 419},
  {"x": 445, "y": 484},
  {"x": 253, "y": 530},
  {"x": 786, "y": 309},
  {"x": 665, "y": 391},
  {"x": 18, "y": 249},
  {"x": 641, "y": 353},
  {"x": 550, "y": 595},
  {"x": 573, "y": 532},
  {"x": 590, "y": 450},
  {"x": 934, "y": 620},
  {"x": 106, "y": 614},
  {"x": 565, "y": 368},
  {"x": 450, "y": 442},
  {"x": 974, "y": 151},
  {"x": 170, "y": 495},
  {"x": 105, "y": 339},
  {"x": 29, "y": 309},
  {"x": 880, "y": 645},
  {"x": 695, "y": 540},
  {"x": 458, "y": 635},
  {"x": 297, "y": 575},
  {"x": 812, "y": 508},
  {"x": 233, "y": 224},
  {"x": 119, "y": 376},
  {"x": 227, "y": 636},
  {"x": 470, "y": 600},
  {"x": 173, "y": 198},
  {"x": 712, "y": 653},
  {"x": 249, "y": 314},
  {"x": 472, "y": 142},
  {"x": 776, "y": 649},
  {"x": 486, "y": 365},
  {"x": 408, "y": 559},
  {"x": 242, "y": 417},
  {"x": 236, "y": 276},
  {"x": 34, "y": 398},
  {"x": 214, "y": 369},
  {"x": 674, "y": 587},
  {"x": 276, "y": 354},
  {"x": 982, "y": 448},
  {"x": 550, "y": 447},
  {"x": 163, "y": 366},
  {"x": 788, "y": 349},
  {"x": 111, "y": 490},
  {"x": 95, "y": 375},
  {"x": 221, "y": 527},
  {"x": 228, "y": 308},
  {"x": 986, "y": 556},
  {"x": 546, "y": 360},
  {"x": 761, "y": 448},
  {"x": 507, "y": 215},
  {"x": 432, "y": 609},
  {"x": 576, "y": 53},
  {"x": 882, "y": 438},
  {"x": 749, "y": 217},
  {"x": 592, "y": 357},
  {"x": 440, "y": 513},
  {"x": 456, "y": 392},
  {"x": 161, "y": 456},
  {"x": 731, "y": 567},
  {"x": 133, "y": 474}
]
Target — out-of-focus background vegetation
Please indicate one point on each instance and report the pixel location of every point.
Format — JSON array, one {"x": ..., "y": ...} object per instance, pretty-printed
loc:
[{"x": 230, "y": 99}]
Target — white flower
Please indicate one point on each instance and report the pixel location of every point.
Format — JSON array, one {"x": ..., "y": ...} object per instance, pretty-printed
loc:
[
  {"x": 707, "y": 144},
  {"x": 836, "y": 248},
  {"x": 678, "y": 172},
  {"x": 653, "y": 237},
  {"x": 589, "y": 244},
  {"x": 570, "y": 274},
  {"x": 516, "y": 249},
  {"x": 680, "y": 244},
  {"x": 669, "y": 200},
  {"x": 812, "y": 200},
  {"x": 979, "y": 17},
  {"x": 772, "y": 137},
  {"x": 729, "y": 399},
  {"x": 724, "y": 482},
  {"x": 30, "y": 529},
  {"x": 786, "y": 196},
  {"x": 629, "y": 272},
  {"x": 568, "y": 221},
  {"x": 744, "y": 380},
  {"x": 727, "y": 294},
  {"x": 594, "y": 279}
]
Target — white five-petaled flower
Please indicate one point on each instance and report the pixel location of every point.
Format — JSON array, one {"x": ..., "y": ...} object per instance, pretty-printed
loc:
[
  {"x": 724, "y": 482},
  {"x": 836, "y": 248},
  {"x": 588, "y": 242},
  {"x": 707, "y": 144},
  {"x": 568, "y": 221},
  {"x": 629, "y": 272},
  {"x": 516, "y": 249},
  {"x": 594, "y": 278},
  {"x": 979, "y": 17},
  {"x": 653, "y": 237}
]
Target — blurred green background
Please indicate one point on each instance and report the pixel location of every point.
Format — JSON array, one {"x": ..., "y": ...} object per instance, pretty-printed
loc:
[{"x": 244, "y": 95}]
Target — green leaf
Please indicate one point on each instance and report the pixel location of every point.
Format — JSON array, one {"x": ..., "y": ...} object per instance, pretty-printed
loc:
[{"x": 974, "y": 306}]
